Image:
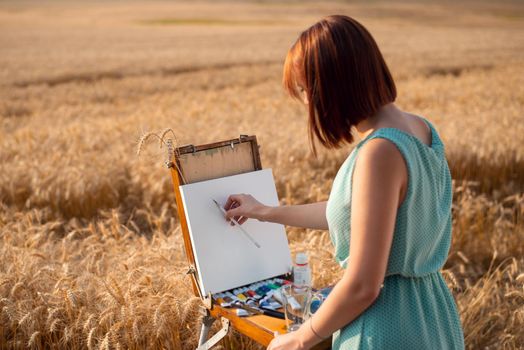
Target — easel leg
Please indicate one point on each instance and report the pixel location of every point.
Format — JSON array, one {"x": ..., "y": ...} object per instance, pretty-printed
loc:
[
  {"x": 206, "y": 325},
  {"x": 207, "y": 322}
]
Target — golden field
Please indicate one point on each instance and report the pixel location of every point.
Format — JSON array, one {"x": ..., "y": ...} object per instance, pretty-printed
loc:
[{"x": 90, "y": 245}]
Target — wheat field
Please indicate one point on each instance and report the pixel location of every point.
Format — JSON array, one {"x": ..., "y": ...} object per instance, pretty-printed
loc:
[{"x": 90, "y": 245}]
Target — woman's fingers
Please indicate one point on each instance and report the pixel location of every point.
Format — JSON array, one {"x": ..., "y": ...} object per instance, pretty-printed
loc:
[
  {"x": 238, "y": 219},
  {"x": 234, "y": 212},
  {"x": 272, "y": 344},
  {"x": 240, "y": 207},
  {"x": 234, "y": 205},
  {"x": 233, "y": 200}
]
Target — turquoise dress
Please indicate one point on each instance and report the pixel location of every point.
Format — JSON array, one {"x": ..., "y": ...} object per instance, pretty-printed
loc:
[{"x": 415, "y": 309}]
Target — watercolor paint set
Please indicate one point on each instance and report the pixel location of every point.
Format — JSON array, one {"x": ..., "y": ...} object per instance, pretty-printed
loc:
[
  {"x": 260, "y": 297},
  {"x": 265, "y": 297}
]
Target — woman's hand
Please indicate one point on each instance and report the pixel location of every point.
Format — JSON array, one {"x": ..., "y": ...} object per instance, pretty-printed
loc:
[
  {"x": 244, "y": 206},
  {"x": 288, "y": 341}
]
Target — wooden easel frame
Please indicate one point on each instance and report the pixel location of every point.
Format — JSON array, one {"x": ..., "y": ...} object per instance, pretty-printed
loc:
[{"x": 198, "y": 163}]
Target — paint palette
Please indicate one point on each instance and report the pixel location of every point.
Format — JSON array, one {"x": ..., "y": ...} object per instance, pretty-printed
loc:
[
  {"x": 260, "y": 297},
  {"x": 260, "y": 293}
]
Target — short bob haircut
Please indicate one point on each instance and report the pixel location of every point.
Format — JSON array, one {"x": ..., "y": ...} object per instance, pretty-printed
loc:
[{"x": 345, "y": 79}]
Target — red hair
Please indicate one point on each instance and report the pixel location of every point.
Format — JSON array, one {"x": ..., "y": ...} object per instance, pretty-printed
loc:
[{"x": 343, "y": 73}]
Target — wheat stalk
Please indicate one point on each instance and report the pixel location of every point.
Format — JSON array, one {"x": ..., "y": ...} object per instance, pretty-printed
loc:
[
  {"x": 91, "y": 338},
  {"x": 33, "y": 339},
  {"x": 171, "y": 145}
]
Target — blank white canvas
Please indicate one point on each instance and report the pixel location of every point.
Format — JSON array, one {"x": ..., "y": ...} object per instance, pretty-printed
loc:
[{"x": 225, "y": 258}]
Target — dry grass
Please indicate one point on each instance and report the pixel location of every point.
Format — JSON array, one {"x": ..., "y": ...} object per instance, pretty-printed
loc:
[{"x": 90, "y": 243}]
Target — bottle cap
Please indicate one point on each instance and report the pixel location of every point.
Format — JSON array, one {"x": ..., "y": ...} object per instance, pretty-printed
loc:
[{"x": 301, "y": 258}]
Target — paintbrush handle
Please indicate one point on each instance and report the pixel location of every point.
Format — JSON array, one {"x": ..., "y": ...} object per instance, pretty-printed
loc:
[
  {"x": 261, "y": 310},
  {"x": 237, "y": 224},
  {"x": 245, "y": 233},
  {"x": 273, "y": 313}
]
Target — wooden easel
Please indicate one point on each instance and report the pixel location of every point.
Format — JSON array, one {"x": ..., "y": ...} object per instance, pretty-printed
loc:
[{"x": 198, "y": 163}]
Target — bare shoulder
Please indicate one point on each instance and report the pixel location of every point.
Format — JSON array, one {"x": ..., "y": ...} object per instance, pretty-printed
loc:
[
  {"x": 420, "y": 128},
  {"x": 380, "y": 164},
  {"x": 380, "y": 152}
]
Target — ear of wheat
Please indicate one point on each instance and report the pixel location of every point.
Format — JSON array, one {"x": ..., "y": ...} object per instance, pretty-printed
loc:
[{"x": 170, "y": 143}]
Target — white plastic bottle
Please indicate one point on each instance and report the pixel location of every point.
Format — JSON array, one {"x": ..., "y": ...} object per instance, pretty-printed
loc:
[{"x": 301, "y": 271}]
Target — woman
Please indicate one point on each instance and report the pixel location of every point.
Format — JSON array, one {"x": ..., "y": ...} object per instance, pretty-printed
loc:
[{"x": 389, "y": 211}]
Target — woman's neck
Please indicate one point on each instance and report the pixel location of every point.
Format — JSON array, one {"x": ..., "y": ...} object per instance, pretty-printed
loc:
[{"x": 382, "y": 118}]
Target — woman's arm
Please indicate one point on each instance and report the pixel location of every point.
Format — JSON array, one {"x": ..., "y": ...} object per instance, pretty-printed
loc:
[
  {"x": 380, "y": 175},
  {"x": 244, "y": 206},
  {"x": 312, "y": 215}
]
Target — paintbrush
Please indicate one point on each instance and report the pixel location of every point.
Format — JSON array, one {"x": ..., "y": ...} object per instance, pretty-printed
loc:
[
  {"x": 260, "y": 310},
  {"x": 223, "y": 211}
]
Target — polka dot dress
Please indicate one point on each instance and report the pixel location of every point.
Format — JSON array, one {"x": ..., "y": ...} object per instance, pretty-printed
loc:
[{"x": 415, "y": 309}]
